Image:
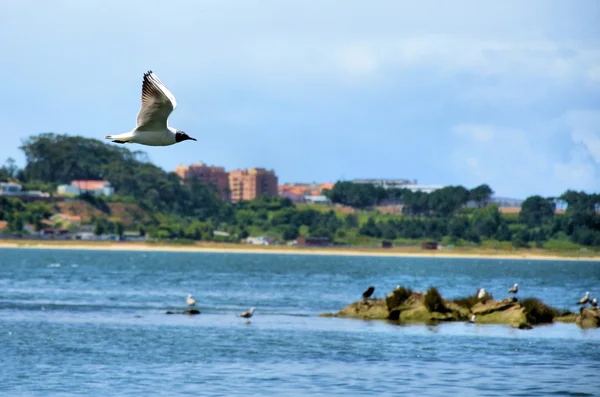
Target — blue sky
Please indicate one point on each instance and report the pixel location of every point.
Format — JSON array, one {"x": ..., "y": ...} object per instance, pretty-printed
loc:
[{"x": 505, "y": 93}]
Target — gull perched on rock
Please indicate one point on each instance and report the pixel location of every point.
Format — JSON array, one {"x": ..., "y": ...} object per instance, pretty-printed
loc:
[
  {"x": 481, "y": 294},
  {"x": 585, "y": 299},
  {"x": 152, "y": 129}
]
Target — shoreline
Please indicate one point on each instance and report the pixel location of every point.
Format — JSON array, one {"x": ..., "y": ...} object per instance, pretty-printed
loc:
[{"x": 407, "y": 252}]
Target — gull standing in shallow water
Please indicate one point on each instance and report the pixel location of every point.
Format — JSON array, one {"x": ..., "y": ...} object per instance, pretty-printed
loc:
[
  {"x": 247, "y": 315},
  {"x": 191, "y": 301},
  {"x": 152, "y": 129}
]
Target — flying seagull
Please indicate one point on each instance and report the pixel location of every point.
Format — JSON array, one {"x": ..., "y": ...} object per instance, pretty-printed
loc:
[
  {"x": 514, "y": 289},
  {"x": 585, "y": 299},
  {"x": 152, "y": 128},
  {"x": 367, "y": 294},
  {"x": 191, "y": 301},
  {"x": 247, "y": 314}
]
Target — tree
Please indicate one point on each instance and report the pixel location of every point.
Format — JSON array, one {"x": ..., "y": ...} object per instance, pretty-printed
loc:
[
  {"x": 9, "y": 170},
  {"x": 351, "y": 220},
  {"x": 481, "y": 195},
  {"x": 99, "y": 228},
  {"x": 120, "y": 229},
  {"x": 536, "y": 210},
  {"x": 370, "y": 229}
]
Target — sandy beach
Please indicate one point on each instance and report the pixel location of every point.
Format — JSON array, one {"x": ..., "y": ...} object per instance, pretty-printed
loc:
[{"x": 290, "y": 250}]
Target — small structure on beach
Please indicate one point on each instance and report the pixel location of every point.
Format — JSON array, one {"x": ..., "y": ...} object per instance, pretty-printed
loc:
[
  {"x": 313, "y": 241},
  {"x": 429, "y": 245}
]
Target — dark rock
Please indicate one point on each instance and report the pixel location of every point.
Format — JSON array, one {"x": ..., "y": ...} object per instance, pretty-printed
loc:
[{"x": 190, "y": 312}]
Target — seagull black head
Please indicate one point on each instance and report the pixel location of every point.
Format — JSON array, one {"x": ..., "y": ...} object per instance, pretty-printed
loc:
[{"x": 181, "y": 136}]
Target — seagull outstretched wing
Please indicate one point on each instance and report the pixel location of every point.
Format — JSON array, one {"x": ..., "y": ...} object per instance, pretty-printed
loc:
[{"x": 157, "y": 104}]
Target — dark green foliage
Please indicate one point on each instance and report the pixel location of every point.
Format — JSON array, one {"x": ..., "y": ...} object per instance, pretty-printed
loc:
[
  {"x": 538, "y": 312},
  {"x": 536, "y": 211},
  {"x": 467, "y": 302},
  {"x": 397, "y": 297},
  {"x": 192, "y": 210},
  {"x": 434, "y": 301},
  {"x": 481, "y": 195}
]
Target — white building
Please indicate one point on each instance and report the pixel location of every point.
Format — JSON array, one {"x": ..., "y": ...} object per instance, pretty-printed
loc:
[
  {"x": 423, "y": 188},
  {"x": 10, "y": 188},
  {"x": 95, "y": 188},
  {"x": 386, "y": 183},
  {"x": 318, "y": 199}
]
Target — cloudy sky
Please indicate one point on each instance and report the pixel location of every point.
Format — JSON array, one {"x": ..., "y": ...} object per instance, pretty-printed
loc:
[{"x": 505, "y": 93}]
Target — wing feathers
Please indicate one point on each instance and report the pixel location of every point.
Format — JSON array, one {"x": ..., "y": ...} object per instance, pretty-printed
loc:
[{"x": 157, "y": 104}]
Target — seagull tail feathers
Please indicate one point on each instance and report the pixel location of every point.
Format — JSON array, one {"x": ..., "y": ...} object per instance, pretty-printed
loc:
[{"x": 120, "y": 138}]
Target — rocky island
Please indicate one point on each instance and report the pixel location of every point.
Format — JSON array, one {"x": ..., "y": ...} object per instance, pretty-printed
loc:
[{"x": 403, "y": 305}]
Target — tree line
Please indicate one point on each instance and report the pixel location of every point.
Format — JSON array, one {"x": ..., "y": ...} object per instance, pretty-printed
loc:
[{"x": 192, "y": 210}]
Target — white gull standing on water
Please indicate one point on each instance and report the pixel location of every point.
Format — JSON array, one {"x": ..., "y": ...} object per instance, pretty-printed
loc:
[
  {"x": 151, "y": 128},
  {"x": 247, "y": 314},
  {"x": 191, "y": 301}
]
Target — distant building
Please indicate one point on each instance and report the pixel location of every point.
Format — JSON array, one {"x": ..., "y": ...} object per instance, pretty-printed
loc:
[
  {"x": 299, "y": 192},
  {"x": 210, "y": 175},
  {"x": 16, "y": 190},
  {"x": 320, "y": 199},
  {"x": 10, "y": 188},
  {"x": 313, "y": 241},
  {"x": 252, "y": 183},
  {"x": 386, "y": 183},
  {"x": 423, "y": 188},
  {"x": 92, "y": 187}
]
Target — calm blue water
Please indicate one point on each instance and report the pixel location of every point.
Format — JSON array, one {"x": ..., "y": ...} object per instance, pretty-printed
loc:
[{"x": 92, "y": 323}]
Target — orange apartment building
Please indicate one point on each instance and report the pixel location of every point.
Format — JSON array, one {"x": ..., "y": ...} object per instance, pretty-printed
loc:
[
  {"x": 235, "y": 185},
  {"x": 298, "y": 191},
  {"x": 210, "y": 175},
  {"x": 252, "y": 183}
]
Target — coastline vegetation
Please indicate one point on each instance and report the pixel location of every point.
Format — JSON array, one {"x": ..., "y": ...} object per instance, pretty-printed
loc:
[{"x": 151, "y": 201}]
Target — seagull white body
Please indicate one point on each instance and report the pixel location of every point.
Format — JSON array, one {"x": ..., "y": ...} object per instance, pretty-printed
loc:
[
  {"x": 472, "y": 319},
  {"x": 514, "y": 289},
  {"x": 594, "y": 302},
  {"x": 152, "y": 129},
  {"x": 191, "y": 301},
  {"x": 481, "y": 294},
  {"x": 585, "y": 299},
  {"x": 248, "y": 314}
]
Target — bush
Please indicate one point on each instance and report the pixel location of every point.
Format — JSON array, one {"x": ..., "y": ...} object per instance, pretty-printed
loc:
[
  {"x": 402, "y": 293},
  {"x": 434, "y": 301},
  {"x": 467, "y": 302},
  {"x": 398, "y": 296},
  {"x": 538, "y": 312}
]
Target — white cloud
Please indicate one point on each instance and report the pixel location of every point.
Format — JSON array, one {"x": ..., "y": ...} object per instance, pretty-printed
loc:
[
  {"x": 515, "y": 161},
  {"x": 357, "y": 59},
  {"x": 585, "y": 126},
  {"x": 476, "y": 132},
  {"x": 578, "y": 173}
]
